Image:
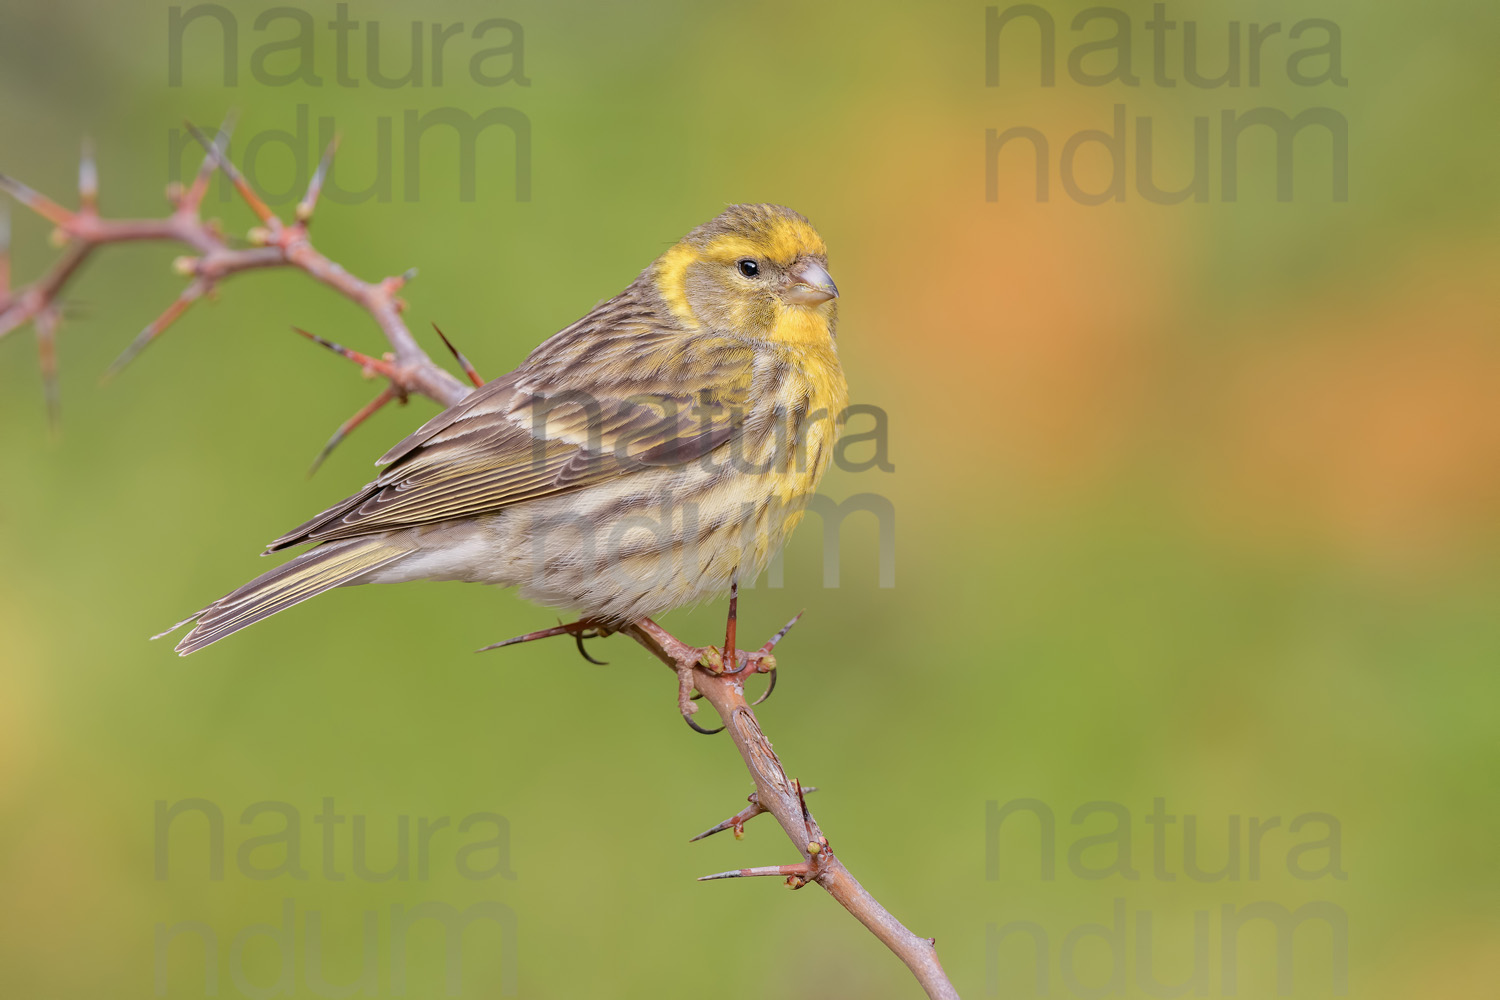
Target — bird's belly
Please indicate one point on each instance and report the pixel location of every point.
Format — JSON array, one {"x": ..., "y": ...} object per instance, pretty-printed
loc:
[{"x": 621, "y": 550}]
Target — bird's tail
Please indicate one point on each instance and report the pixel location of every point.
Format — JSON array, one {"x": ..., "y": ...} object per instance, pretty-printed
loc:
[{"x": 330, "y": 565}]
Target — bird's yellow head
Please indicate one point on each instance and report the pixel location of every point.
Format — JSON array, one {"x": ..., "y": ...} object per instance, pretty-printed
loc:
[{"x": 756, "y": 270}]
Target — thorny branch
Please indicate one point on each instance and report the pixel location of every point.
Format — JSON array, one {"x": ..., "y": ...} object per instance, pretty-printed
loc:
[
  {"x": 783, "y": 797},
  {"x": 273, "y": 243},
  {"x": 408, "y": 370}
]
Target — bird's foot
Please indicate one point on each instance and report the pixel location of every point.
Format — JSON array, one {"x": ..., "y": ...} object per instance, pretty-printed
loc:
[
  {"x": 725, "y": 661},
  {"x": 720, "y": 662}
]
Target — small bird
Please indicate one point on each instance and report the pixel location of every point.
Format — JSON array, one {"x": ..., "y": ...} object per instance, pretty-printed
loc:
[{"x": 642, "y": 459}]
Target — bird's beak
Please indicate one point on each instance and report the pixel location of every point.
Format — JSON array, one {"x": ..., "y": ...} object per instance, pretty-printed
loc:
[{"x": 811, "y": 284}]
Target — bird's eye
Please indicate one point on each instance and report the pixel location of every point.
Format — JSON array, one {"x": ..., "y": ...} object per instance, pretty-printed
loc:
[{"x": 749, "y": 268}]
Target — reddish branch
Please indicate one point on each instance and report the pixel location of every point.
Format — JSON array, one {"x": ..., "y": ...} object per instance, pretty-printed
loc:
[
  {"x": 408, "y": 370},
  {"x": 783, "y": 797},
  {"x": 273, "y": 243}
]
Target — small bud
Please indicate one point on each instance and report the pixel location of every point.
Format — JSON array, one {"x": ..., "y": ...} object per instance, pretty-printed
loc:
[
  {"x": 185, "y": 266},
  {"x": 813, "y": 847},
  {"x": 304, "y": 211},
  {"x": 175, "y": 192},
  {"x": 739, "y": 833},
  {"x": 58, "y": 237},
  {"x": 258, "y": 236}
]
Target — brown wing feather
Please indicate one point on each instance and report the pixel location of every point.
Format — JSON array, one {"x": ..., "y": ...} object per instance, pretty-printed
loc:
[{"x": 618, "y": 391}]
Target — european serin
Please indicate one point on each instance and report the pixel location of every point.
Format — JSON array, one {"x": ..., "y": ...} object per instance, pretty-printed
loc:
[{"x": 632, "y": 464}]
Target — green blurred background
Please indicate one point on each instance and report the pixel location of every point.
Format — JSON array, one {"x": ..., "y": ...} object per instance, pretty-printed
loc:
[{"x": 1193, "y": 502}]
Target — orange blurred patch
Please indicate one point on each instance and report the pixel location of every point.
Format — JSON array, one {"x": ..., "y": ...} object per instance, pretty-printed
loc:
[
  {"x": 62, "y": 890},
  {"x": 1373, "y": 425},
  {"x": 1460, "y": 959},
  {"x": 1022, "y": 332},
  {"x": 21, "y": 733}
]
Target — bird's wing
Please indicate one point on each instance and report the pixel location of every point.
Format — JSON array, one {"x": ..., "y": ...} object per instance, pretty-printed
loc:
[{"x": 591, "y": 404}]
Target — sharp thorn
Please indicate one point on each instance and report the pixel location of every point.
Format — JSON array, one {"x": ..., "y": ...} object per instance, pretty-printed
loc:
[
  {"x": 309, "y": 201},
  {"x": 545, "y": 633},
  {"x": 716, "y": 828},
  {"x": 378, "y": 365},
  {"x": 514, "y": 640},
  {"x": 771, "y": 642},
  {"x": 736, "y": 822},
  {"x": 364, "y": 413},
  {"x": 158, "y": 326},
  {"x": 88, "y": 178},
  {"x": 802, "y": 870},
  {"x": 745, "y": 815},
  {"x": 731, "y": 655},
  {"x": 193, "y": 197},
  {"x": 37, "y": 202},
  {"x": 802, "y": 801},
  {"x": 4, "y": 249},
  {"x": 261, "y": 210},
  {"x": 327, "y": 449},
  {"x": 463, "y": 362}
]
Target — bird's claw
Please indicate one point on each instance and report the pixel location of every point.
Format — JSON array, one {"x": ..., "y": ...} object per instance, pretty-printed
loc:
[
  {"x": 578, "y": 638},
  {"x": 685, "y": 700},
  {"x": 769, "y": 687},
  {"x": 685, "y": 659}
]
